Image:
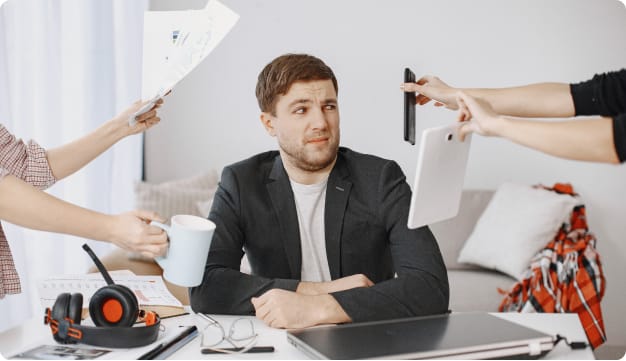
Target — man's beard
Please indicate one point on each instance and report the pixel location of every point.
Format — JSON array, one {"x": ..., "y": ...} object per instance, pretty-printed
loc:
[{"x": 301, "y": 159}]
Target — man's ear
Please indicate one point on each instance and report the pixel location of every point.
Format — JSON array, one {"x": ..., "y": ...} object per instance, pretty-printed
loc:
[{"x": 267, "y": 121}]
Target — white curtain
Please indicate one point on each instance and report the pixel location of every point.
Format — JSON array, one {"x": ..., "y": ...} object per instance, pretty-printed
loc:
[{"x": 66, "y": 66}]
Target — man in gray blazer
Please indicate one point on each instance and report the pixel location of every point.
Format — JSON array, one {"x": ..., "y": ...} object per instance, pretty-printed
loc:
[{"x": 324, "y": 227}]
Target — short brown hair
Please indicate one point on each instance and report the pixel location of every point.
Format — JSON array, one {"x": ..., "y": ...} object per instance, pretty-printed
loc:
[{"x": 278, "y": 76}]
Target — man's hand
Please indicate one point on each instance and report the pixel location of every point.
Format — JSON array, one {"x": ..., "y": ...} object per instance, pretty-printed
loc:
[
  {"x": 432, "y": 88},
  {"x": 285, "y": 309},
  {"x": 340, "y": 284}
]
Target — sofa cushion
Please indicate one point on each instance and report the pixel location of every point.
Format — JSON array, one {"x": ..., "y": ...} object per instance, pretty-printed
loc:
[
  {"x": 452, "y": 233},
  {"x": 179, "y": 196},
  {"x": 516, "y": 224},
  {"x": 477, "y": 290}
]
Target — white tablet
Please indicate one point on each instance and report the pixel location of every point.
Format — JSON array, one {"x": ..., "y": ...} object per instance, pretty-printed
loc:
[{"x": 439, "y": 176}]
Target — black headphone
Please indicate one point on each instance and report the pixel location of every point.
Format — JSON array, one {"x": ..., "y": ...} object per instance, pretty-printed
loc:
[{"x": 113, "y": 309}]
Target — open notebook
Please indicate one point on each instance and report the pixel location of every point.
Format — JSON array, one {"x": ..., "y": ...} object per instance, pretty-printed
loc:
[{"x": 456, "y": 335}]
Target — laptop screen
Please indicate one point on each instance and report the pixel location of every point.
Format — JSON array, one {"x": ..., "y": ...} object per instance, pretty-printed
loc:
[{"x": 477, "y": 335}]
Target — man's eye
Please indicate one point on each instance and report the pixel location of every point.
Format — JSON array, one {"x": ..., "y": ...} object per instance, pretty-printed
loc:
[
  {"x": 300, "y": 111},
  {"x": 330, "y": 107}
]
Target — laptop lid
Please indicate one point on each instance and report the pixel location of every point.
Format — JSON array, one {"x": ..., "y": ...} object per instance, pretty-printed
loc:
[
  {"x": 456, "y": 335},
  {"x": 439, "y": 176}
]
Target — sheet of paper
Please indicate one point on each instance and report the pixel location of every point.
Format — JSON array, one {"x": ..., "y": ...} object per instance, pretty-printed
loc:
[
  {"x": 175, "y": 42},
  {"x": 150, "y": 290}
]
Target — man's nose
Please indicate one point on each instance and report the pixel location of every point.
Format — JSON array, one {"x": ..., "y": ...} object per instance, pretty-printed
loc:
[{"x": 318, "y": 120}]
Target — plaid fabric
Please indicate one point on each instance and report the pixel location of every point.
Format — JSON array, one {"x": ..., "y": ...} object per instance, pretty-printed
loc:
[
  {"x": 29, "y": 163},
  {"x": 565, "y": 276}
]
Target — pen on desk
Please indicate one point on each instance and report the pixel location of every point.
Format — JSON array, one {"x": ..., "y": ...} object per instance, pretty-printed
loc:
[
  {"x": 255, "y": 349},
  {"x": 150, "y": 354},
  {"x": 175, "y": 344}
]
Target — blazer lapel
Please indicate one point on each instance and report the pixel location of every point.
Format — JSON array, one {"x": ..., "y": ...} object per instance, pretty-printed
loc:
[
  {"x": 284, "y": 204},
  {"x": 337, "y": 194}
]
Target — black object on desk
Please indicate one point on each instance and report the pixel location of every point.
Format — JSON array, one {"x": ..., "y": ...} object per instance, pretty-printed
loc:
[
  {"x": 163, "y": 350},
  {"x": 255, "y": 349}
]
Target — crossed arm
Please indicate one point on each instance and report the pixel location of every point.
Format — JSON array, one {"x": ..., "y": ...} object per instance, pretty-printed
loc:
[{"x": 311, "y": 304}]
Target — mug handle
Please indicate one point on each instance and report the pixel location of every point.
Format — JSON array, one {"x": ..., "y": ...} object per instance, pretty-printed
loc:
[{"x": 162, "y": 260}]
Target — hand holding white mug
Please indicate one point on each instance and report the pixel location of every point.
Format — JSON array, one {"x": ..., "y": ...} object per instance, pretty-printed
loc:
[{"x": 189, "y": 243}]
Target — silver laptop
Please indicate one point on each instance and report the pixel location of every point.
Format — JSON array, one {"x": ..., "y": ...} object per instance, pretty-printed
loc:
[{"x": 455, "y": 335}]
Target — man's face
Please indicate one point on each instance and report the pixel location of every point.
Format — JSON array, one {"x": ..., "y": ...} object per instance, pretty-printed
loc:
[{"x": 306, "y": 124}]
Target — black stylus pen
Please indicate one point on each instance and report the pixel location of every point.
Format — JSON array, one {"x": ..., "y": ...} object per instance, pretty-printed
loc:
[
  {"x": 150, "y": 354},
  {"x": 255, "y": 349},
  {"x": 165, "y": 349}
]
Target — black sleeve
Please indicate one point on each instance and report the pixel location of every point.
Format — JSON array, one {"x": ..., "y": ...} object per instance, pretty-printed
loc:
[
  {"x": 619, "y": 136},
  {"x": 604, "y": 95},
  {"x": 224, "y": 289},
  {"x": 421, "y": 286}
]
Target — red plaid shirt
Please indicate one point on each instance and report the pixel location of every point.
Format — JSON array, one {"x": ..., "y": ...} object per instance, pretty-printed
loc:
[
  {"x": 29, "y": 163},
  {"x": 565, "y": 276}
]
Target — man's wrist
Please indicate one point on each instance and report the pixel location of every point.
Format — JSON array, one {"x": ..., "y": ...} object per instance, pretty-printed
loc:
[
  {"x": 330, "y": 311},
  {"x": 311, "y": 288}
]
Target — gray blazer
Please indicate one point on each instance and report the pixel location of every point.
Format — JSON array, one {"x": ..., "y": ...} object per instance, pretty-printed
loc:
[{"x": 367, "y": 204}]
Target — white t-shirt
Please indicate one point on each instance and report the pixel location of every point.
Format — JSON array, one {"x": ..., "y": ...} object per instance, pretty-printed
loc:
[{"x": 310, "y": 205}]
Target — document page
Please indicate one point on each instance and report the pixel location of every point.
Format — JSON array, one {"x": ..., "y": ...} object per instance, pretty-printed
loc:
[
  {"x": 150, "y": 290},
  {"x": 175, "y": 42}
]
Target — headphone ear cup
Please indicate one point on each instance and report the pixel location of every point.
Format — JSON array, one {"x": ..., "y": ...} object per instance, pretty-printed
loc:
[
  {"x": 75, "y": 308},
  {"x": 60, "y": 312},
  {"x": 114, "y": 305}
]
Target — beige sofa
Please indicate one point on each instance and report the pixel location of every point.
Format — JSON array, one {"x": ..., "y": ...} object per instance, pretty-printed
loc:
[{"x": 472, "y": 288}]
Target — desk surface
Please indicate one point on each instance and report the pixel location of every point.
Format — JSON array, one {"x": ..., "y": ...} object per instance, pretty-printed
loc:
[{"x": 34, "y": 333}]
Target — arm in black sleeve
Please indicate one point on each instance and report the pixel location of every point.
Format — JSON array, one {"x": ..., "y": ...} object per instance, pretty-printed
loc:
[
  {"x": 421, "y": 285},
  {"x": 224, "y": 289},
  {"x": 605, "y": 94}
]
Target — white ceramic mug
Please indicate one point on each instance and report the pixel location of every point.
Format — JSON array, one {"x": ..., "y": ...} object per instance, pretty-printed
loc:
[{"x": 189, "y": 242}]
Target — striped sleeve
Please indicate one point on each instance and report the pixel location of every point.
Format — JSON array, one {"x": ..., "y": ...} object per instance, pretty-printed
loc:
[{"x": 26, "y": 161}]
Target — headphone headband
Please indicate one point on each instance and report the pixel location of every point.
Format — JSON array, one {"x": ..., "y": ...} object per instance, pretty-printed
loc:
[{"x": 68, "y": 331}]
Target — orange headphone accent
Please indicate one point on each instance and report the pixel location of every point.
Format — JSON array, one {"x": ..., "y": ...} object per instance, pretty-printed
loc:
[
  {"x": 112, "y": 310},
  {"x": 150, "y": 318}
]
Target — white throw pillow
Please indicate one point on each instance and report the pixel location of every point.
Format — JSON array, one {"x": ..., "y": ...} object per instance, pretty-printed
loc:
[{"x": 518, "y": 222}]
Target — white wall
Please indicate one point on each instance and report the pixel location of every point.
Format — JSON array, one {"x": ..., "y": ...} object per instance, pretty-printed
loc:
[{"x": 211, "y": 118}]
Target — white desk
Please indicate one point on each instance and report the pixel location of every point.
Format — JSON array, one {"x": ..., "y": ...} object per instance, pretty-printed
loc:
[{"x": 33, "y": 333}]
